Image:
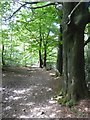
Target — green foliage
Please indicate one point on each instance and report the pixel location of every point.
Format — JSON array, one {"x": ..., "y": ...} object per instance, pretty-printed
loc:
[{"x": 21, "y": 35}]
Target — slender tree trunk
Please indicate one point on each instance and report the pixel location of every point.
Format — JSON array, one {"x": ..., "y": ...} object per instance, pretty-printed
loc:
[
  {"x": 45, "y": 48},
  {"x": 40, "y": 56},
  {"x": 3, "y": 62},
  {"x": 40, "y": 48},
  {"x": 24, "y": 49},
  {"x": 74, "y": 85},
  {"x": 11, "y": 47},
  {"x": 59, "y": 55},
  {"x": 45, "y": 54}
]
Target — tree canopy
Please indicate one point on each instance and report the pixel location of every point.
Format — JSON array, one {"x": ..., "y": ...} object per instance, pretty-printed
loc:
[{"x": 21, "y": 24}]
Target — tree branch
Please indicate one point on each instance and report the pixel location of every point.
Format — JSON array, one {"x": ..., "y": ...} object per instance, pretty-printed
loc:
[
  {"x": 42, "y": 6},
  {"x": 30, "y": 7},
  {"x": 86, "y": 42},
  {"x": 72, "y": 12},
  {"x": 16, "y": 11},
  {"x": 48, "y": 34}
]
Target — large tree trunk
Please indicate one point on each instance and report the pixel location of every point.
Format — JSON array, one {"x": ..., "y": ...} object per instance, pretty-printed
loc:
[{"x": 74, "y": 85}]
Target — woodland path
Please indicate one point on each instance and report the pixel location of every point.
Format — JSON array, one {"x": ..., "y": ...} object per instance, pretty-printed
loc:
[{"x": 29, "y": 92}]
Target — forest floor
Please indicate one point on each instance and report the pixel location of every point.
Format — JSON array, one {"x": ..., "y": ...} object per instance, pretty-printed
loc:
[{"x": 28, "y": 93}]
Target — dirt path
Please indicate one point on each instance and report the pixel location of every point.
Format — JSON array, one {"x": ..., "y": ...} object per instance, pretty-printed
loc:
[{"x": 28, "y": 93}]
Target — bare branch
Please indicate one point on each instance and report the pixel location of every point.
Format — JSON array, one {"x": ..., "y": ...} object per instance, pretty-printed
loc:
[
  {"x": 23, "y": 5},
  {"x": 72, "y": 12},
  {"x": 16, "y": 11},
  {"x": 32, "y": 2},
  {"x": 48, "y": 34},
  {"x": 86, "y": 42},
  {"x": 42, "y": 6}
]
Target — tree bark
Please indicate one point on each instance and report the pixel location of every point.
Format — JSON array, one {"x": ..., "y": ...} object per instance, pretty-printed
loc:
[
  {"x": 3, "y": 62},
  {"x": 45, "y": 42},
  {"x": 40, "y": 48},
  {"x": 45, "y": 54},
  {"x": 74, "y": 85},
  {"x": 60, "y": 51}
]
